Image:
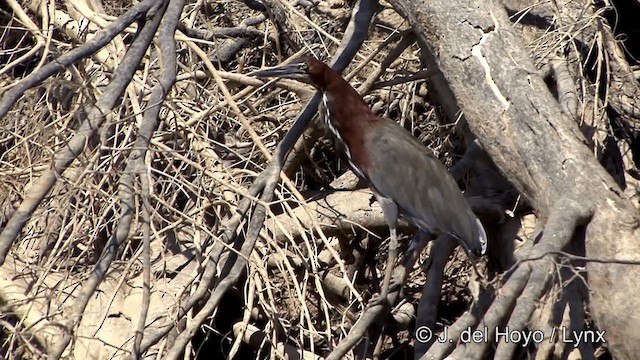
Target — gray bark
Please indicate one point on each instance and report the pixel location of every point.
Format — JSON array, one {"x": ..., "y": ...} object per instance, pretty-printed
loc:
[{"x": 539, "y": 148}]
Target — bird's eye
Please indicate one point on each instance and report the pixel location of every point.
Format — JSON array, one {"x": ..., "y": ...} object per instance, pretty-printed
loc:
[{"x": 304, "y": 66}]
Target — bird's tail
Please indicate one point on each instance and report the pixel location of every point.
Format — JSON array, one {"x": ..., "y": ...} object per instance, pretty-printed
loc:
[
  {"x": 471, "y": 241},
  {"x": 482, "y": 236}
]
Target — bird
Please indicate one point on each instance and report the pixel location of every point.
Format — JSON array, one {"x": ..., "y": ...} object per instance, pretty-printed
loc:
[{"x": 405, "y": 177}]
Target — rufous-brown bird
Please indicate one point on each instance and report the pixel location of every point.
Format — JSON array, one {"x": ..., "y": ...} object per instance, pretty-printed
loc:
[{"x": 405, "y": 177}]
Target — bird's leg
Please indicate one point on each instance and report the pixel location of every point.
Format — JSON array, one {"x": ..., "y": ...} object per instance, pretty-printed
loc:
[
  {"x": 391, "y": 261},
  {"x": 417, "y": 244},
  {"x": 382, "y": 298},
  {"x": 390, "y": 210}
]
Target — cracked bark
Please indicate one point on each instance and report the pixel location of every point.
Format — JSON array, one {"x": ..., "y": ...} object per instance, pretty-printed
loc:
[{"x": 538, "y": 147}]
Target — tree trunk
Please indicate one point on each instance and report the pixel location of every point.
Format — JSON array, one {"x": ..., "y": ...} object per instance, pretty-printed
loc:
[{"x": 540, "y": 149}]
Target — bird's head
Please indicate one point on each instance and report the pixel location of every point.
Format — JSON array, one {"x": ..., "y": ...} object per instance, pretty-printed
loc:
[{"x": 307, "y": 69}]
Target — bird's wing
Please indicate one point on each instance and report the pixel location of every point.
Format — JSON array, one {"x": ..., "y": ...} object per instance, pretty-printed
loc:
[{"x": 402, "y": 169}]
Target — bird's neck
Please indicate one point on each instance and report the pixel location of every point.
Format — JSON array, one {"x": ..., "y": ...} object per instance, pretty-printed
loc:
[
  {"x": 349, "y": 118},
  {"x": 346, "y": 110}
]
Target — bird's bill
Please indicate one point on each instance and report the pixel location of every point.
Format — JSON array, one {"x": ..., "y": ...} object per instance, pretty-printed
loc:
[{"x": 294, "y": 71}]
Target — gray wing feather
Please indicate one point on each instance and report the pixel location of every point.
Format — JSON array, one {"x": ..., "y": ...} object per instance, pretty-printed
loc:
[{"x": 402, "y": 169}]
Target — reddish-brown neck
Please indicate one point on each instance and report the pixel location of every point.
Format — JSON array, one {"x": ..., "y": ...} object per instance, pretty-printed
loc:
[
  {"x": 346, "y": 105},
  {"x": 350, "y": 116}
]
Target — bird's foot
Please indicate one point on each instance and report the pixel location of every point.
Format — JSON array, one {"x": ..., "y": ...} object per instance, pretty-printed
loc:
[
  {"x": 397, "y": 284},
  {"x": 379, "y": 300},
  {"x": 383, "y": 298}
]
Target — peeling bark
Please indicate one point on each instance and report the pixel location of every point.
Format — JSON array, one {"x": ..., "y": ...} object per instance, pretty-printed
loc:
[{"x": 539, "y": 148}]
